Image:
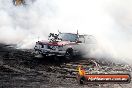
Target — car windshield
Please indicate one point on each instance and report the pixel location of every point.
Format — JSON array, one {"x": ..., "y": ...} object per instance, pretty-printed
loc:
[{"x": 68, "y": 37}]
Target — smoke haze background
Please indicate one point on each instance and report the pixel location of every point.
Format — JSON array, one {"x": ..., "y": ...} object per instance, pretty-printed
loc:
[{"x": 110, "y": 21}]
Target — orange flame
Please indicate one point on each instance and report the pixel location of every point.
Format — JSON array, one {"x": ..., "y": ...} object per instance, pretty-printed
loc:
[{"x": 81, "y": 70}]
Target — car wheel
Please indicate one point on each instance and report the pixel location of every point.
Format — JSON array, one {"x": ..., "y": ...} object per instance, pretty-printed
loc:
[
  {"x": 69, "y": 54},
  {"x": 37, "y": 54}
]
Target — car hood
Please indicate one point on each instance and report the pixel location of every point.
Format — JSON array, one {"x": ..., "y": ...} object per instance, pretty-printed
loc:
[{"x": 57, "y": 43}]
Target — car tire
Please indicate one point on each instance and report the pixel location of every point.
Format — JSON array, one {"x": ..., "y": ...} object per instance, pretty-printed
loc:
[
  {"x": 37, "y": 54},
  {"x": 69, "y": 54}
]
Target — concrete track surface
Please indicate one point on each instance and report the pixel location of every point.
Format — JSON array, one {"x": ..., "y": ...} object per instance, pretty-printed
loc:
[{"x": 19, "y": 69}]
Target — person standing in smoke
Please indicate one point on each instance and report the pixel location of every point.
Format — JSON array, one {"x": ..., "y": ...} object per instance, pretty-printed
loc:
[{"x": 18, "y": 2}]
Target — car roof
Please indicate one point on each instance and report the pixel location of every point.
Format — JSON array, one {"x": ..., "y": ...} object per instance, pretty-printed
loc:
[{"x": 67, "y": 33}]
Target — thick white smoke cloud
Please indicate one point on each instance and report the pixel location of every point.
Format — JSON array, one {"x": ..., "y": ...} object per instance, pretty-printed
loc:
[
  {"x": 22, "y": 25},
  {"x": 108, "y": 20}
]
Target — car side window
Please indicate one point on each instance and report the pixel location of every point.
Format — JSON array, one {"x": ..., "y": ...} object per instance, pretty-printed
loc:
[
  {"x": 82, "y": 38},
  {"x": 90, "y": 40}
]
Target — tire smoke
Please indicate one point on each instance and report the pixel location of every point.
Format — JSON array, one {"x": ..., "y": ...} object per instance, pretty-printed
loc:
[{"x": 109, "y": 21}]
